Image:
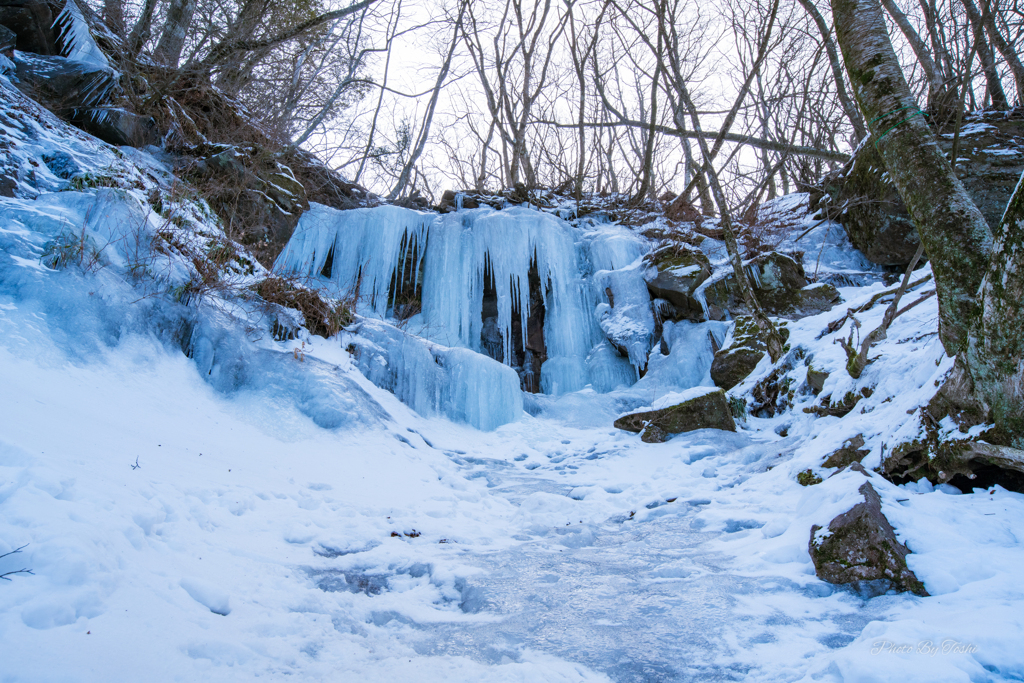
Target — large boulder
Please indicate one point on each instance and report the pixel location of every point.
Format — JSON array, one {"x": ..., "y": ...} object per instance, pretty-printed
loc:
[
  {"x": 780, "y": 286},
  {"x": 8, "y": 40},
  {"x": 674, "y": 275},
  {"x": 683, "y": 277},
  {"x": 32, "y": 22},
  {"x": 81, "y": 93},
  {"x": 991, "y": 159},
  {"x": 697, "y": 408},
  {"x": 738, "y": 358},
  {"x": 861, "y": 546}
]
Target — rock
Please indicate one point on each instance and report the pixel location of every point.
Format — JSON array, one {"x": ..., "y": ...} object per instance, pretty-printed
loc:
[
  {"x": 730, "y": 367},
  {"x": 325, "y": 186},
  {"x": 706, "y": 410},
  {"x": 8, "y": 39},
  {"x": 816, "y": 379},
  {"x": 263, "y": 218},
  {"x": 654, "y": 434},
  {"x": 778, "y": 280},
  {"x": 860, "y": 546},
  {"x": 63, "y": 85},
  {"x": 82, "y": 93},
  {"x": 32, "y": 22},
  {"x": 119, "y": 126},
  {"x": 450, "y": 201},
  {"x": 62, "y": 165},
  {"x": 807, "y": 478},
  {"x": 991, "y": 159},
  {"x": 682, "y": 211},
  {"x": 734, "y": 362},
  {"x": 851, "y": 452},
  {"x": 818, "y": 298},
  {"x": 827, "y": 407},
  {"x": 773, "y": 394},
  {"x": 924, "y": 452},
  {"x": 675, "y": 276},
  {"x": 414, "y": 201}
]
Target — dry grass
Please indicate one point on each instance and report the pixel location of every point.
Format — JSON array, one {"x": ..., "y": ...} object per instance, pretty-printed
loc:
[{"x": 324, "y": 317}]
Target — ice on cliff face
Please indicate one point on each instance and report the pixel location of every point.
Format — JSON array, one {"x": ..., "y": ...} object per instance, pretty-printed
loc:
[
  {"x": 592, "y": 286},
  {"x": 436, "y": 380}
]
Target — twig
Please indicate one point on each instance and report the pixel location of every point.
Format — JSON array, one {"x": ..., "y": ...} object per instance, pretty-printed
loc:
[
  {"x": 858, "y": 360},
  {"x": 6, "y": 575}
]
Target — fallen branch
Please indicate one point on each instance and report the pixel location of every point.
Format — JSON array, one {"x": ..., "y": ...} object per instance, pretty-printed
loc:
[
  {"x": 836, "y": 324},
  {"x": 857, "y": 360}
]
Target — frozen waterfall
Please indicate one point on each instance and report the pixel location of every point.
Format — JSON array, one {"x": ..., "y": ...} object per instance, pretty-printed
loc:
[{"x": 562, "y": 306}]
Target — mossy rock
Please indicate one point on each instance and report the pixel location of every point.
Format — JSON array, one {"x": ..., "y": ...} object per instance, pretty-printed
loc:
[
  {"x": 807, "y": 478},
  {"x": 735, "y": 362},
  {"x": 991, "y": 159},
  {"x": 778, "y": 280},
  {"x": 852, "y": 451},
  {"x": 679, "y": 271},
  {"x": 706, "y": 411},
  {"x": 818, "y": 298},
  {"x": 860, "y": 545},
  {"x": 816, "y": 379}
]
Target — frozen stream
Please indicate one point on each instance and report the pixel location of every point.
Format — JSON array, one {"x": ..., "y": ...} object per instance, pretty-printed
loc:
[{"x": 637, "y": 601}]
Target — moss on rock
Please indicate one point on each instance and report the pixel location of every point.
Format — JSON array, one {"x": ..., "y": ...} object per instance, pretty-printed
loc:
[
  {"x": 706, "y": 411},
  {"x": 860, "y": 545}
]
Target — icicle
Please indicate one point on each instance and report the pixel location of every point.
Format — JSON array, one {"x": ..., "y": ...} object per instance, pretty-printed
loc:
[
  {"x": 367, "y": 247},
  {"x": 432, "y": 379},
  {"x": 79, "y": 44}
]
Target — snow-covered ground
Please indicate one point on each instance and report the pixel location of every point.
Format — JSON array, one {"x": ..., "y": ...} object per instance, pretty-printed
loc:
[
  {"x": 250, "y": 542},
  {"x": 252, "y": 512}
]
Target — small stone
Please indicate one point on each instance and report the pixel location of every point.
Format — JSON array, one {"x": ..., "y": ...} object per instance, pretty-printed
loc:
[{"x": 807, "y": 478}]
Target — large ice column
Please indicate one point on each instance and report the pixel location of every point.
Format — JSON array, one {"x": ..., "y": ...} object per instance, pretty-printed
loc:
[
  {"x": 465, "y": 245},
  {"x": 365, "y": 247},
  {"x": 436, "y": 380},
  {"x": 625, "y": 313}
]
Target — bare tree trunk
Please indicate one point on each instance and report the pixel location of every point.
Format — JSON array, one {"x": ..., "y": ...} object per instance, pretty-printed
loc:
[
  {"x": 769, "y": 333},
  {"x": 995, "y": 356},
  {"x": 140, "y": 32},
  {"x": 648, "y": 158},
  {"x": 979, "y": 276},
  {"x": 428, "y": 118},
  {"x": 1006, "y": 50},
  {"x": 956, "y": 237},
  {"x": 849, "y": 107},
  {"x": 176, "y": 26},
  {"x": 394, "y": 20},
  {"x": 988, "y": 62},
  {"x": 936, "y": 86},
  {"x": 113, "y": 16},
  {"x": 942, "y": 58}
]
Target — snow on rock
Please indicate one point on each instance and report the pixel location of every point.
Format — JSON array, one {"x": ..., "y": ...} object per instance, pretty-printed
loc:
[{"x": 198, "y": 501}]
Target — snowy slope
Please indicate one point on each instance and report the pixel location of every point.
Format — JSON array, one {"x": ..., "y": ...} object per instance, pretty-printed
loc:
[{"x": 252, "y": 512}]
